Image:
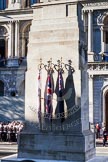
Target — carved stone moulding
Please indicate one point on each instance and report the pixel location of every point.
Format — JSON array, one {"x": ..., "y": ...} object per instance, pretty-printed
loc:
[{"x": 97, "y": 66}]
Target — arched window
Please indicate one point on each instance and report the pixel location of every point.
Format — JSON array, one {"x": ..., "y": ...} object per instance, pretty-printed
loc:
[
  {"x": 106, "y": 110},
  {"x": 104, "y": 40},
  {"x": 1, "y": 88},
  {"x": 3, "y": 35},
  {"x": 106, "y": 33},
  {"x": 25, "y": 39},
  {"x": 2, "y": 48}
]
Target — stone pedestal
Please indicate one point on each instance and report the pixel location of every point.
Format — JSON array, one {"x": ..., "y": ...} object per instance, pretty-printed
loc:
[
  {"x": 57, "y": 146},
  {"x": 57, "y": 31}
]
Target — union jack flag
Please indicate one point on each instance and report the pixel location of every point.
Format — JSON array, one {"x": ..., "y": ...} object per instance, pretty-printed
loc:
[{"x": 49, "y": 97}]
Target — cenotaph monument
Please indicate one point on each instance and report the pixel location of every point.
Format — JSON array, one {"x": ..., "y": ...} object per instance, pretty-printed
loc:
[
  {"x": 56, "y": 101},
  {"x": 57, "y": 42}
]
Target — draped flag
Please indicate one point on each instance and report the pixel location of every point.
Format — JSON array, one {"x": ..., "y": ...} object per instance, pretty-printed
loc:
[
  {"x": 60, "y": 95},
  {"x": 49, "y": 97},
  {"x": 39, "y": 96}
]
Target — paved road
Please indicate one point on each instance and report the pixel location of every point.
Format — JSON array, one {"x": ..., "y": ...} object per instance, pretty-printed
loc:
[
  {"x": 7, "y": 148},
  {"x": 102, "y": 151}
]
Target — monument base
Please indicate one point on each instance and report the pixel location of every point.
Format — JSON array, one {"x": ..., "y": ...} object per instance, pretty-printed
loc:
[
  {"x": 57, "y": 146},
  {"x": 14, "y": 158}
]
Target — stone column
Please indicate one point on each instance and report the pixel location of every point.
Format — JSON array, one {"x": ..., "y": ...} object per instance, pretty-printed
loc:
[
  {"x": 9, "y": 2},
  {"x": 18, "y": 1},
  {"x": 10, "y": 40},
  {"x": 91, "y": 98},
  {"x": 23, "y": 46},
  {"x": 102, "y": 40},
  {"x": 6, "y": 47},
  {"x": 17, "y": 39},
  {"x": 90, "y": 36}
]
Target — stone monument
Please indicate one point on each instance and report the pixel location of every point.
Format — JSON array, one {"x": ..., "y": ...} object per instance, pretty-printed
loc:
[{"x": 57, "y": 44}]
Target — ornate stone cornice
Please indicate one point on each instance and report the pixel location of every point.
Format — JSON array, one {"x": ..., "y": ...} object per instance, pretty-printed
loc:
[{"x": 95, "y": 5}]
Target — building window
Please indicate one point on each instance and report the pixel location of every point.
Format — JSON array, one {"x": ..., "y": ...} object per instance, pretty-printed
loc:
[
  {"x": 2, "y": 49},
  {"x": 27, "y": 3},
  {"x": 2, "y": 4},
  {"x": 1, "y": 88},
  {"x": 33, "y": 1}
]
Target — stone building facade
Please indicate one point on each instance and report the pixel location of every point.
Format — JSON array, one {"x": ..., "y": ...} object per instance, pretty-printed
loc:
[
  {"x": 95, "y": 16},
  {"x": 15, "y": 21}
]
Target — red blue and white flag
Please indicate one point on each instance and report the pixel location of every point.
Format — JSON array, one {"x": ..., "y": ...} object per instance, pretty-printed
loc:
[
  {"x": 49, "y": 107},
  {"x": 60, "y": 95}
]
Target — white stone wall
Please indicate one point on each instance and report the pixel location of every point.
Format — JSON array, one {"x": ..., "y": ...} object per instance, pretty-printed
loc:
[{"x": 54, "y": 35}]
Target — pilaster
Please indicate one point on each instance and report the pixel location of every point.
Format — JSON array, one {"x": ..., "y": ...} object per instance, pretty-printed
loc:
[
  {"x": 91, "y": 99},
  {"x": 23, "y": 45},
  {"x": 102, "y": 40},
  {"x": 90, "y": 36}
]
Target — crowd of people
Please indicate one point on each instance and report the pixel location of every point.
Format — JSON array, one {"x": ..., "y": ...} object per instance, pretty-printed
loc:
[
  {"x": 9, "y": 131},
  {"x": 101, "y": 132}
]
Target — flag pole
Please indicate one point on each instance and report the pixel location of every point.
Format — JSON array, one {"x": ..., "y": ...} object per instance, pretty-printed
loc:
[
  {"x": 39, "y": 95},
  {"x": 51, "y": 71},
  {"x": 60, "y": 90}
]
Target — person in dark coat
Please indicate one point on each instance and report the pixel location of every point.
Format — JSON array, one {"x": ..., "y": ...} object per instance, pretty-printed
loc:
[
  {"x": 98, "y": 130},
  {"x": 104, "y": 137}
]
